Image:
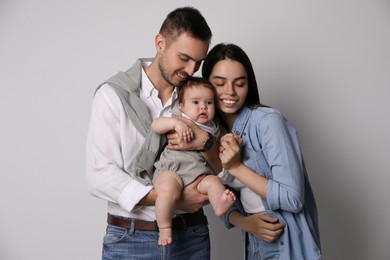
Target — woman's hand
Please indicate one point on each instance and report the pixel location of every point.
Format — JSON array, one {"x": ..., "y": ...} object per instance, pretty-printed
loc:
[
  {"x": 229, "y": 151},
  {"x": 230, "y": 155},
  {"x": 261, "y": 225}
]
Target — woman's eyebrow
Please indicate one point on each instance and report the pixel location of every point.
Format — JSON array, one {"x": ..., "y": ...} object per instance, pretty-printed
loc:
[
  {"x": 218, "y": 77},
  {"x": 238, "y": 78}
]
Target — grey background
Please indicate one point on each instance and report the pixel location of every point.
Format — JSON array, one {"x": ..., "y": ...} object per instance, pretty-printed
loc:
[{"x": 324, "y": 64}]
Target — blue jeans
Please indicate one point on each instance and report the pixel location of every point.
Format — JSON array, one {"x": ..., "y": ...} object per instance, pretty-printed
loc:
[{"x": 190, "y": 243}]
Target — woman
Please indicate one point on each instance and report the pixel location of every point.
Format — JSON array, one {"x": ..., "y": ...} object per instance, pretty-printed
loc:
[{"x": 262, "y": 153}]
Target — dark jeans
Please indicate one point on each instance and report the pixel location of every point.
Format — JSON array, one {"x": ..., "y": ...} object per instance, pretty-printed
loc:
[{"x": 190, "y": 243}]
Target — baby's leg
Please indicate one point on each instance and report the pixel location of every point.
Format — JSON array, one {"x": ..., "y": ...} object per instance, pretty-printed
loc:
[
  {"x": 220, "y": 198},
  {"x": 168, "y": 187}
]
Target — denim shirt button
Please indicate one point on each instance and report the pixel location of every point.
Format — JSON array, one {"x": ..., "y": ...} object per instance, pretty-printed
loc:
[
  {"x": 237, "y": 133},
  {"x": 281, "y": 243},
  {"x": 246, "y": 157},
  {"x": 243, "y": 133}
]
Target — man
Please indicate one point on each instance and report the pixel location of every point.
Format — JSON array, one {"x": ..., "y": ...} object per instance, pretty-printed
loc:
[{"x": 121, "y": 148}]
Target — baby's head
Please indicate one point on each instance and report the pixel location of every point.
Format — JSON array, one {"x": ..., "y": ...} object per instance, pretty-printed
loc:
[{"x": 197, "y": 99}]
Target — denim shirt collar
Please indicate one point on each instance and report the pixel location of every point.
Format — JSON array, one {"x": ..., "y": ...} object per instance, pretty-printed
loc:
[{"x": 241, "y": 121}]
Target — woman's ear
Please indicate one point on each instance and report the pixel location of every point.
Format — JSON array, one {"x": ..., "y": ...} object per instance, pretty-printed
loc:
[{"x": 160, "y": 43}]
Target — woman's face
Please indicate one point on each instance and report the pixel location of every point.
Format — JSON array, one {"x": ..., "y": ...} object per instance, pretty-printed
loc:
[{"x": 230, "y": 80}]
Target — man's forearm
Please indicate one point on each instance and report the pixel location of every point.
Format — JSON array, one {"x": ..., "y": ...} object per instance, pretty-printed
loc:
[
  {"x": 212, "y": 158},
  {"x": 149, "y": 199}
]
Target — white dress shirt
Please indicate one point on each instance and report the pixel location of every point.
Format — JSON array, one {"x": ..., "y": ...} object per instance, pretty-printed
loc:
[{"x": 112, "y": 141}]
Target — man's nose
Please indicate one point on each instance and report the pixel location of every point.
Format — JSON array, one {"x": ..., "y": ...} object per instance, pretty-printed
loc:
[{"x": 191, "y": 68}]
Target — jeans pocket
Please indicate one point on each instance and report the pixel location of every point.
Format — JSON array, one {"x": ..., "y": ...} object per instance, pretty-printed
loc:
[
  {"x": 114, "y": 234},
  {"x": 199, "y": 230}
]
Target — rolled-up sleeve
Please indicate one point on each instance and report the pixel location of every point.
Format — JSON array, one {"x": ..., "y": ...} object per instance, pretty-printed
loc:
[{"x": 237, "y": 206}]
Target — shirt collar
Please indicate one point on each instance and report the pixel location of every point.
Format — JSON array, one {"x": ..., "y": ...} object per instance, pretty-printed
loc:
[
  {"x": 241, "y": 120},
  {"x": 146, "y": 85},
  {"x": 211, "y": 127}
]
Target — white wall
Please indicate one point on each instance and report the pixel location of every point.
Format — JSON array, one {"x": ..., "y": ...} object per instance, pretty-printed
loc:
[{"x": 325, "y": 65}]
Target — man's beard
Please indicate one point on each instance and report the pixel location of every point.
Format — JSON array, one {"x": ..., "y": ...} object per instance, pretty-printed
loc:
[
  {"x": 165, "y": 76},
  {"x": 163, "y": 73}
]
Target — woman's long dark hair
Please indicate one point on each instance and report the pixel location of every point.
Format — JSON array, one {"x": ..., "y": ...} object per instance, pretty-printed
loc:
[{"x": 230, "y": 51}]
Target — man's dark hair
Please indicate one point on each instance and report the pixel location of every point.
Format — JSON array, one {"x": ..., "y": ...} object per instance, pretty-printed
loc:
[{"x": 186, "y": 20}]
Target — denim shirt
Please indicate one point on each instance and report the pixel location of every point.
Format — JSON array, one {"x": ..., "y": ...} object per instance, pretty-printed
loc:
[{"x": 270, "y": 148}]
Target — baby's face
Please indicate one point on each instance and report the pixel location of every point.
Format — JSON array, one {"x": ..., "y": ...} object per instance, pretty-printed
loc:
[{"x": 198, "y": 104}]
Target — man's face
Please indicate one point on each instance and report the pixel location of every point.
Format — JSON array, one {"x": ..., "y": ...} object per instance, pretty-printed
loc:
[{"x": 181, "y": 58}]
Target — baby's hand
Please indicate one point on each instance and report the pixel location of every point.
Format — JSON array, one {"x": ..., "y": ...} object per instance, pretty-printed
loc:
[{"x": 185, "y": 133}]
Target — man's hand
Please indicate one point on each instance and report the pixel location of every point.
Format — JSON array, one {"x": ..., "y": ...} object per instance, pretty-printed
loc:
[{"x": 191, "y": 200}]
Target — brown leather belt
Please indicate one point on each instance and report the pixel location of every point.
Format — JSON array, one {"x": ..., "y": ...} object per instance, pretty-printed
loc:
[{"x": 181, "y": 221}]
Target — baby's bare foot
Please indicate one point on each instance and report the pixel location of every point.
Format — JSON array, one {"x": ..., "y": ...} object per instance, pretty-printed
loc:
[
  {"x": 222, "y": 203},
  {"x": 165, "y": 236}
]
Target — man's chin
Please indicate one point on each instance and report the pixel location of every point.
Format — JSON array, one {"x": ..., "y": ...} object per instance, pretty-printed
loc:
[{"x": 179, "y": 83}]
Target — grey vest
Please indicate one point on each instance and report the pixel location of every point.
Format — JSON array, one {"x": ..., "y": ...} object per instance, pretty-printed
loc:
[{"x": 127, "y": 86}]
